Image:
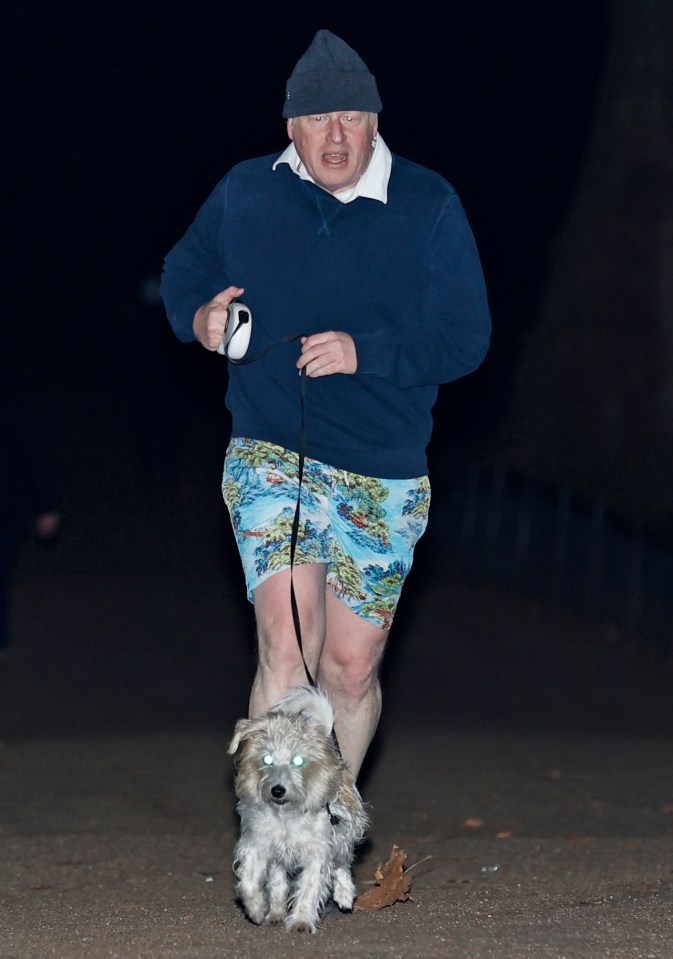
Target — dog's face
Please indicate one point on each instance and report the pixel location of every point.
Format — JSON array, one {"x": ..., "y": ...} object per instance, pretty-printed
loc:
[{"x": 284, "y": 762}]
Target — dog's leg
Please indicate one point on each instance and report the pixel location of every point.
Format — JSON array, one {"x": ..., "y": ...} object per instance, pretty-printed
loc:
[
  {"x": 311, "y": 891},
  {"x": 278, "y": 887},
  {"x": 251, "y": 870},
  {"x": 344, "y": 888}
]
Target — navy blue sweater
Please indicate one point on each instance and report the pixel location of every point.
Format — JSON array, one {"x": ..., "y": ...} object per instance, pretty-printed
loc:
[{"x": 403, "y": 278}]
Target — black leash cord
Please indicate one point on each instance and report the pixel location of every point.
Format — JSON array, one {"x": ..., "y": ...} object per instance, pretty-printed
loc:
[
  {"x": 295, "y": 522},
  {"x": 293, "y": 543},
  {"x": 295, "y": 532},
  {"x": 300, "y": 477},
  {"x": 257, "y": 356}
]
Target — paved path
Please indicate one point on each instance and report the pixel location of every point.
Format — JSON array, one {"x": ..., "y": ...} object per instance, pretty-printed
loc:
[{"x": 524, "y": 762}]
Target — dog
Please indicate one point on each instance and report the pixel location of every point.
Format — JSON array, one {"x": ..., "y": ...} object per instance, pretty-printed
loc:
[{"x": 301, "y": 814}]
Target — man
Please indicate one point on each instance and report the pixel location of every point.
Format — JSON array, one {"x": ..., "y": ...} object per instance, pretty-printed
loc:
[{"x": 370, "y": 257}]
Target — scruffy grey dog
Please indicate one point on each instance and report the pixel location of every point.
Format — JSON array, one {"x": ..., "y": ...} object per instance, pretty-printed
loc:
[{"x": 301, "y": 813}]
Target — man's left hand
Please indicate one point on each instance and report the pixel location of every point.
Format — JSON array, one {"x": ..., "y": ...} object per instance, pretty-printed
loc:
[{"x": 325, "y": 353}]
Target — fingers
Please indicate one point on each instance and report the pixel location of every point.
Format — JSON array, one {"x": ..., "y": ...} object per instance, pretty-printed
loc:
[
  {"x": 210, "y": 320},
  {"x": 224, "y": 298},
  {"x": 323, "y": 354}
]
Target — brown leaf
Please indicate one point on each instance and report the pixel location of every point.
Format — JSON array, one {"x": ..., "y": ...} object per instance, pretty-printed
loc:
[{"x": 392, "y": 883}]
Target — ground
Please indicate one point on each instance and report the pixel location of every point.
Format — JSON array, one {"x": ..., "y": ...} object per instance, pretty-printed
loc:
[{"x": 523, "y": 762}]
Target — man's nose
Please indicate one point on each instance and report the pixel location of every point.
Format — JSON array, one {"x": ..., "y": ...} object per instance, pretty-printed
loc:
[{"x": 335, "y": 131}]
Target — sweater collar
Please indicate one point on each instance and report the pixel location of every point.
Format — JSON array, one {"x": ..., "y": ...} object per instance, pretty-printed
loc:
[{"x": 372, "y": 184}]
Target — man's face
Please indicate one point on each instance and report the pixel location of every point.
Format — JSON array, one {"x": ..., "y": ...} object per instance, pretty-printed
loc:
[{"x": 335, "y": 148}]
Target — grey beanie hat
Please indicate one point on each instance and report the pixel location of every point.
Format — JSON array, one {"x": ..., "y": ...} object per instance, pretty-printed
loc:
[{"x": 330, "y": 76}]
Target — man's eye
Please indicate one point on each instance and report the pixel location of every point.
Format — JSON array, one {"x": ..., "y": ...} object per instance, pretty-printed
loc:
[{"x": 267, "y": 760}]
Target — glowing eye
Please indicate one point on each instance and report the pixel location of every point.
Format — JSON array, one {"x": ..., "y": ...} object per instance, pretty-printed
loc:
[
  {"x": 297, "y": 760},
  {"x": 268, "y": 759}
]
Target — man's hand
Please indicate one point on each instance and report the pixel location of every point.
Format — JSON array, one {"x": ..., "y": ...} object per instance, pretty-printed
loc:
[
  {"x": 210, "y": 320},
  {"x": 325, "y": 353}
]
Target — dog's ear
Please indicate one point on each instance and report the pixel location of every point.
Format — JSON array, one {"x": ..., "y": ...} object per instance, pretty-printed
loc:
[{"x": 240, "y": 730}]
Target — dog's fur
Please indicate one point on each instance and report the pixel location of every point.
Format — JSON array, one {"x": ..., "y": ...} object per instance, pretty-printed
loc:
[{"x": 301, "y": 820}]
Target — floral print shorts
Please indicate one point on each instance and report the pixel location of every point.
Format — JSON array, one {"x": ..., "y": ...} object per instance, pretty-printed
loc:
[{"x": 362, "y": 528}]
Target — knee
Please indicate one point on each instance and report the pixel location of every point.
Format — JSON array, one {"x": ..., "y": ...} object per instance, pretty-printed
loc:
[
  {"x": 352, "y": 674},
  {"x": 278, "y": 643},
  {"x": 277, "y": 651}
]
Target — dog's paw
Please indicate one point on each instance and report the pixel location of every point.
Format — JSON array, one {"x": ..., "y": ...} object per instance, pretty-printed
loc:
[
  {"x": 295, "y": 924},
  {"x": 274, "y": 919},
  {"x": 345, "y": 903},
  {"x": 256, "y": 913},
  {"x": 344, "y": 890},
  {"x": 257, "y": 918}
]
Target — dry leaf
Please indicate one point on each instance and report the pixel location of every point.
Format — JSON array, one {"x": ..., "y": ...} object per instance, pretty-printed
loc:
[
  {"x": 392, "y": 883},
  {"x": 473, "y": 823}
]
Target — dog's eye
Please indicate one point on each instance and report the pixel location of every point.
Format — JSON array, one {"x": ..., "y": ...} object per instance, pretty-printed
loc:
[
  {"x": 297, "y": 760},
  {"x": 267, "y": 760}
]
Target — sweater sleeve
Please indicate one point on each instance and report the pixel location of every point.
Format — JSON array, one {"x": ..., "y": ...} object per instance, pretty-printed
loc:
[
  {"x": 447, "y": 332},
  {"x": 194, "y": 270}
]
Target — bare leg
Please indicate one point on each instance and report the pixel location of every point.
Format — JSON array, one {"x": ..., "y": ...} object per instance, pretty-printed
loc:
[
  {"x": 348, "y": 672},
  {"x": 279, "y": 665},
  {"x": 342, "y": 651}
]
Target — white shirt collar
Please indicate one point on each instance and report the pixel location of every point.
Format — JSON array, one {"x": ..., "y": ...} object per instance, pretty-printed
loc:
[{"x": 372, "y": 184}]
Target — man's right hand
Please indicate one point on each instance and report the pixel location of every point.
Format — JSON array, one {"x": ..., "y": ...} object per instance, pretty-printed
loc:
[{"x": 210, "y": 320}]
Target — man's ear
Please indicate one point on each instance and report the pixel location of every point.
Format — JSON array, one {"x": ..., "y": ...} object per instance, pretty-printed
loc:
[{"x": 289, "y": 129}]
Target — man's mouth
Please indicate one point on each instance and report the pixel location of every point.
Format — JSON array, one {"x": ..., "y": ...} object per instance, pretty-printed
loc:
[{"x": 335, "y": 159}]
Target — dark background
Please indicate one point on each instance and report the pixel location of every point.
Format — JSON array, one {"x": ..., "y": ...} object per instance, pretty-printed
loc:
[
  {"x": 119, "y": 119},
  {"x": 548, "y": 119},
  {"x": 123, "y": 117}
]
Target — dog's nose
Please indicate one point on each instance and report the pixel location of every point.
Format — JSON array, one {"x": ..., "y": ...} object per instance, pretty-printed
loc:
[{"x": 278, "y": 791}]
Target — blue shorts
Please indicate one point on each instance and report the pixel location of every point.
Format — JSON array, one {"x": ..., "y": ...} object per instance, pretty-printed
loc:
[{"x": 362, "y": 528}]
